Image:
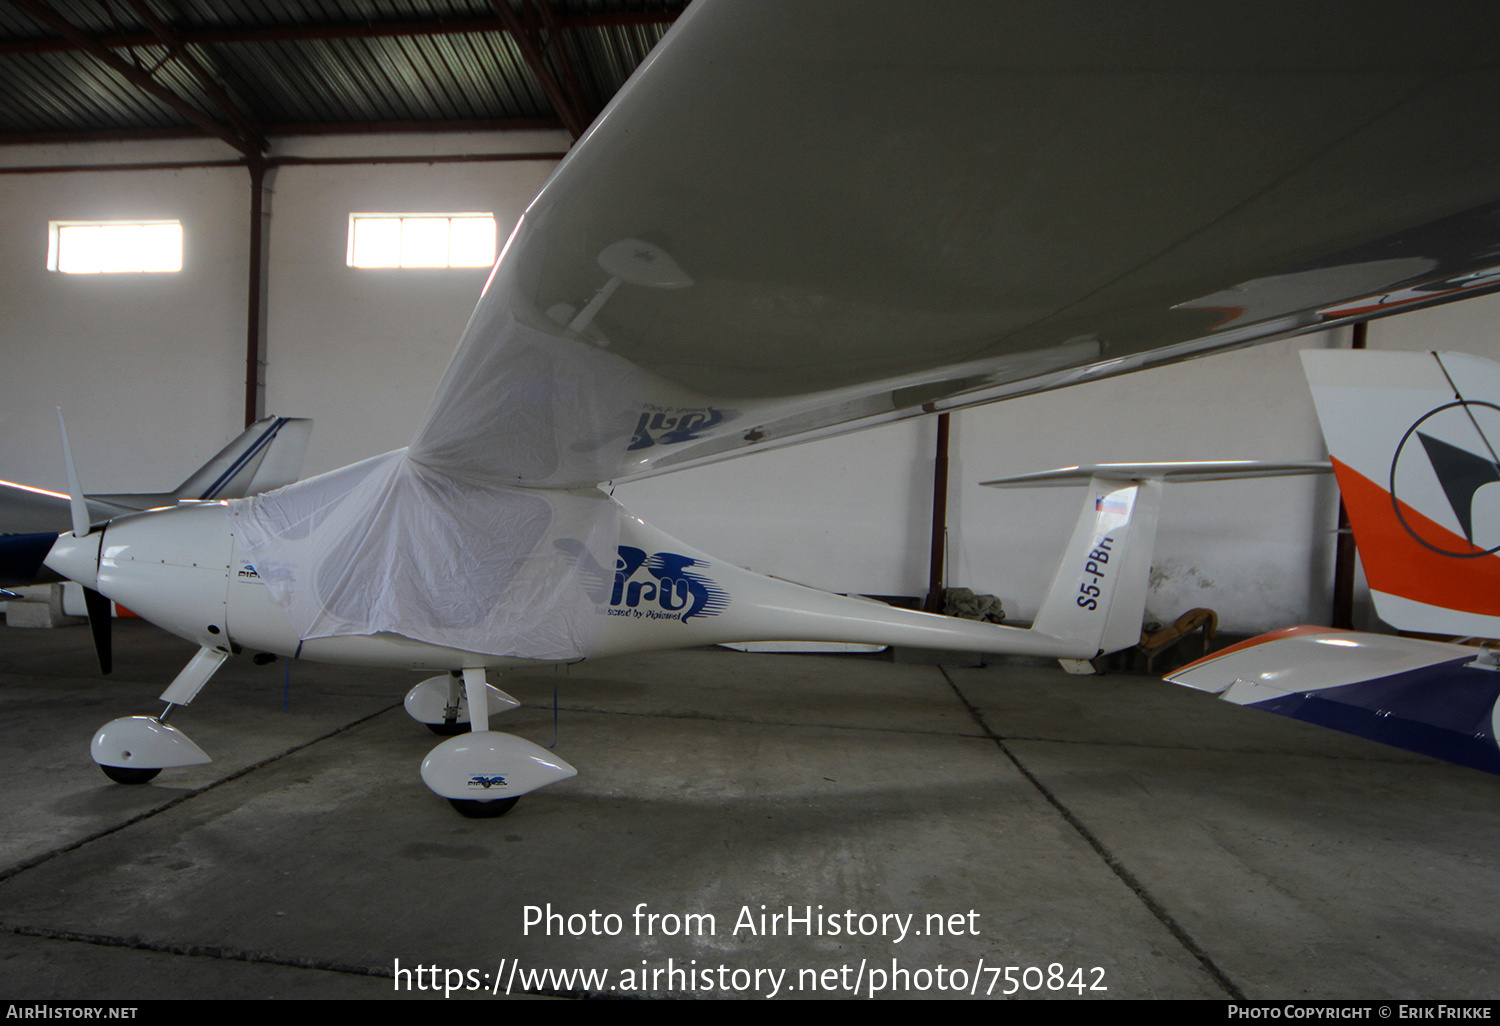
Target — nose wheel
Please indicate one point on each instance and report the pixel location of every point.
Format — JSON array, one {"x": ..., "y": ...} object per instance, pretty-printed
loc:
[
  {"x": 126, "y": 775},
  {"x": 134, "y": 749}
]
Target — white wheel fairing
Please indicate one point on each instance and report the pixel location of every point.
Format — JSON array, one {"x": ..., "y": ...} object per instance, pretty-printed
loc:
[
  {"x": 428, "y": 701},
  {"x": 140, "y": 742},
  {"x": 487, "y": 766}
]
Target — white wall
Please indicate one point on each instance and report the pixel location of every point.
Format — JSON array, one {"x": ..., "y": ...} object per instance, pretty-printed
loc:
[
  {"x": 150, "y": 370},
  {"x": 362, "y": 351}
]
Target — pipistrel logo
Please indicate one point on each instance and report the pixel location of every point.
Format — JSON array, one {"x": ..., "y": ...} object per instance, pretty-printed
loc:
[
  {"x": 487, "y": 781},
  {"x": 669, "y": 426},
  {"x": 662, "y": 586},
  {"x": 1446, "y": 459},
  {"x": 247, "y": 573}
]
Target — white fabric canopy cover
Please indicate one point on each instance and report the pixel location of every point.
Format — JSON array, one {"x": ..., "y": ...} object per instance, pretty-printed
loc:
[{"x": 392, "y": 545}]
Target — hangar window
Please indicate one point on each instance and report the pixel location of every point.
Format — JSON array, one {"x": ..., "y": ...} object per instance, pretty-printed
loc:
[
  {"x": 114, "y": 247},
  {"x": 421, "y": 240}
]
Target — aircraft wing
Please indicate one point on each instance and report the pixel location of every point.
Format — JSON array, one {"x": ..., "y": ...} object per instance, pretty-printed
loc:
[
  {"x": 28, "y": 510},
  {"x": 797, "y": 217},
  {"x": 1179, "y": 471},
  {"x": 801, "y": 218}
]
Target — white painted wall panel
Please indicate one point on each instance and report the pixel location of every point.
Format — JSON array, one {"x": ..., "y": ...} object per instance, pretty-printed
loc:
[
  {"x": 143, "y": 364},
  {"x": 361, "y": 351}
]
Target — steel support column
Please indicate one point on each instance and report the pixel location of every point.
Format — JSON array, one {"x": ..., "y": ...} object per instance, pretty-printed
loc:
[
  {"x": 934, "y": 603},
  {"x": 255, "y": 318}
]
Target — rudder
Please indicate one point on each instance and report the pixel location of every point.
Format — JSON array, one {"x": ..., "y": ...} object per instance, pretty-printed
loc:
[{"x": 1098, "y": 596}]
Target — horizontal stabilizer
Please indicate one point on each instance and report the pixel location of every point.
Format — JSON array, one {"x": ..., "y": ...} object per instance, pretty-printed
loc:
[
  {"x": 1423, "y": 696},
  {"x": 1209, "y": 470}
]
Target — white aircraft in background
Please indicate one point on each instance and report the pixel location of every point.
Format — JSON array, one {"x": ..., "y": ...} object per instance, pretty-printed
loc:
[
  {"x": 798, "y": 219},
  {"x": 1414, "y": 440},
  {"x": 266, "y": 455}
]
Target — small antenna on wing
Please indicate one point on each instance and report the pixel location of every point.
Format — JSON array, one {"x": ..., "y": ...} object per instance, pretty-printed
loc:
[{"x": 638, "y": 263}]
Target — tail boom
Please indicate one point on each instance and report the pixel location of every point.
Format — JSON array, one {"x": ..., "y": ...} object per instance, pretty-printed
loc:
[{"x": 666, "y": 595}]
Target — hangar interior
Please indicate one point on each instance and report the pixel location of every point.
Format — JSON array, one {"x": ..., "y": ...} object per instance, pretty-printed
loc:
[
  {"x": 1191, "y": 849},
  {"x": 361, "y": 352}
]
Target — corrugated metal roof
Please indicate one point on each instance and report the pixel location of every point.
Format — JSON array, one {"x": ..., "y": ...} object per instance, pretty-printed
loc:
[{"x": 311, "y": 63}]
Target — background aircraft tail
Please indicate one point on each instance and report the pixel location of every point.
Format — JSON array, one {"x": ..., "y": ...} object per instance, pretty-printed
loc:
[
  {"x": 1412, "y": 436},
  {"x": 266, "y": 455},
  {"x": 1414, "y": 440}
]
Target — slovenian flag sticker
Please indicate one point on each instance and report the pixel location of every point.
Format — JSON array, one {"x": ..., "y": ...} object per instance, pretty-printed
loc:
[{"x": 1112, "y": 504}]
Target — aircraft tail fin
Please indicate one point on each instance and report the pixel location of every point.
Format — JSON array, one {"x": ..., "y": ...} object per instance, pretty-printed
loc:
[
  {"x": 1415, "y": 441},
  {"x": 266, "y": 455},
  {"x": 1098, "y": 596},
  {"x": 1114, "y": 488}
]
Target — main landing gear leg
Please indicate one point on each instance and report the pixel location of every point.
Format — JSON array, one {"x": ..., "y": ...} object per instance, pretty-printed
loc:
[
  {"x": 483, "y": 773},
  {"x": 441, "y": 705}
]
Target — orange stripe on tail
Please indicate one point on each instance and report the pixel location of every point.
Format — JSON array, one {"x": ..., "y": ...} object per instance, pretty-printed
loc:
[{"x": 1398, "y": 564}]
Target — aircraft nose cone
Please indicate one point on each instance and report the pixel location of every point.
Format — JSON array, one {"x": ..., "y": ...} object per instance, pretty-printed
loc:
[{"x": 77, "y": 559}]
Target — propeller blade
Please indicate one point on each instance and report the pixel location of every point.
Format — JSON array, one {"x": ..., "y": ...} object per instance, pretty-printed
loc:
[
  {"x": 100, "y": 622},
  {"x": 80, "y": 509}
]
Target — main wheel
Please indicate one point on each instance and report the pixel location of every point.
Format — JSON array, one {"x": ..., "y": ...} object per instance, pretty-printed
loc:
[
  {"x": 446, "y": 729},
  {"x": 126, "y": 775},
  {"x": 483, "y": 810}
]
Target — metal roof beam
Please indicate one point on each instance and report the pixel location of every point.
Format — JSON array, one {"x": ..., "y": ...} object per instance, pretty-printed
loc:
[
  {"x": 544, "y": 18},
  {"x": 209, "y": 83},
  {"x": 133, "y": 74},
  {"x": 299, "y": 33},
  {"x": 306, "y": 128},
  {"x": 528, "y": 39}
]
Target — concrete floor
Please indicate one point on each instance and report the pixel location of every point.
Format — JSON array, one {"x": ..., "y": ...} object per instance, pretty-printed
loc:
[{"x": 1183, "y": 846}]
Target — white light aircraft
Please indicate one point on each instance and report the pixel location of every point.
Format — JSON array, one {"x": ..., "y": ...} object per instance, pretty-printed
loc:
[{"x": 796, "y": 219}]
